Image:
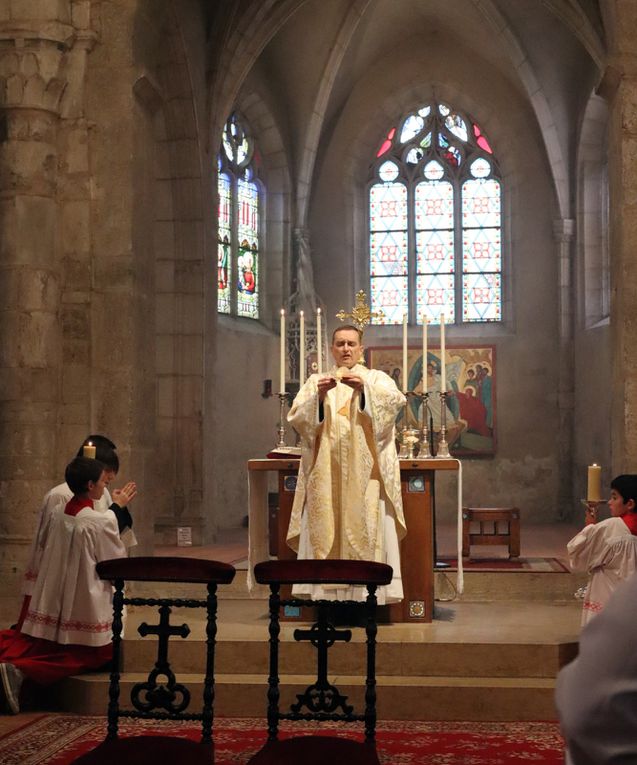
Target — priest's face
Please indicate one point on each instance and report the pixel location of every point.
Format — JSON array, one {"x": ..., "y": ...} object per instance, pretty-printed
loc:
[{"x": 346, "y": 348}]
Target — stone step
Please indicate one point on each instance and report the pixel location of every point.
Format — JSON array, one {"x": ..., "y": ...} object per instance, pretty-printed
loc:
[
  {"x": 399, "y": 698},
  {"x": 404, "y": 659},
  {"x": 479, "y": 586}
]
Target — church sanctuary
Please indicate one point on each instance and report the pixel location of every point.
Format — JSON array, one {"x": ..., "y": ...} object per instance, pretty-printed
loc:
[{"x": 195, "y": 196}]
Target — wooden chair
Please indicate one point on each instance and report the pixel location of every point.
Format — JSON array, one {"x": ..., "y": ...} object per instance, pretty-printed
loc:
[
  {"x": 322, "y": 700},
  {"x": 154, "y": 700}
]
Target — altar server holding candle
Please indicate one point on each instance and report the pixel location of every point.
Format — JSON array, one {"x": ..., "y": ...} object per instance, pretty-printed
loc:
[{"x": 607, "y": 550}]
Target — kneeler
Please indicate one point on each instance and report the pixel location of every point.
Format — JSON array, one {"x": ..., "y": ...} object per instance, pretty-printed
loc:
[
  {"x": 155, "y": 700},
  {"x": 321, "y": 700}
]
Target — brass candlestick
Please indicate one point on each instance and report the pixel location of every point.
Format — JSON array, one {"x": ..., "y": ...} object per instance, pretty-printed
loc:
[
  {"x": 283, "y": 397},
  {"x": 443, "y": 447},
  {"x": 408, "y": 436},
  {"x": 424, "y": 451}
]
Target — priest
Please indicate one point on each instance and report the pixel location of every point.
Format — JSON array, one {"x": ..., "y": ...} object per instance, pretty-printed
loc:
[{"x": 348, "y": 501}]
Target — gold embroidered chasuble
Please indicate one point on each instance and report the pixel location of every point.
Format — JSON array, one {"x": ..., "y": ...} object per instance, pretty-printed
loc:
[{"x": 349, "y": 477}]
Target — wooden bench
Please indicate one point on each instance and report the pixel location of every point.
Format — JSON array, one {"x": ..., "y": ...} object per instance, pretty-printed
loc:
[{"x": 491, "y": 521}]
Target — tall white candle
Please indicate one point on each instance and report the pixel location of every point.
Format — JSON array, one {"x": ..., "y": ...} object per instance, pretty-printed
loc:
[
  {"x": 319, "y": 342},
  {"x": 405, "y": 387},
  {"x": 301, "y": 348},
  {"x": 443, "y": 355},
  {"x": 282, "y": 359},
  {"x": 594, "y": 484},
  {"x": 424, "y": 354}
]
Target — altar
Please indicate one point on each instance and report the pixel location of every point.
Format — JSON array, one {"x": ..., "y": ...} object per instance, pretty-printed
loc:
[{"x": 267, "y": 532}]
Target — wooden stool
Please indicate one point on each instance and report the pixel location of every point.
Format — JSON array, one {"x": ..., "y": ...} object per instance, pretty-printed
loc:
[
  {"x": 161, "y": 697},
  {"x": 495, "y": 516},
  {"x": 321, "y": 700}
]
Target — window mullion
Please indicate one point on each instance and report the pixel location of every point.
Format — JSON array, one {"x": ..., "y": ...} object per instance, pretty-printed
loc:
[
  {"x": 459, "y": 264},
  {"x": 412, "y": 268},
  {"x": 234, "y": 250}
]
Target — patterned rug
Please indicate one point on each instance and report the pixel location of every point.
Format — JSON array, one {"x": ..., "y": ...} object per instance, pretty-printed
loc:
[
  {"x": 58, "y": 739},
  {"x": 537, "y": 565}
]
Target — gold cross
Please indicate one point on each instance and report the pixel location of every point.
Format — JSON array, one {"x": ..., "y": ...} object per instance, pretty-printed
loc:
[{"x": 361, "y": 314}]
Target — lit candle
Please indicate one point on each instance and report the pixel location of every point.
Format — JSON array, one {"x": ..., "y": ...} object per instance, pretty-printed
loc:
[
  {"x": 594, "y": 490},
  {"x": 301, "y": 348},
  {"x": 319, "y": 343},
  {"x": 424, "y": 354},
  {"x": 405, "y": 388},
  {"x": 89, "y": 450},
  {"x": 443, "y": 356},
  {"x": 282, "y": 359}
]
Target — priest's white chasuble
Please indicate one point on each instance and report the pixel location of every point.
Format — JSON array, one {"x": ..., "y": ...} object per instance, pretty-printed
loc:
[{"x": 348, "y": 501}]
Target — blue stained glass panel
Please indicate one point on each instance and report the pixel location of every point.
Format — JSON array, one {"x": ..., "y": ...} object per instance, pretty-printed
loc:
[
  {"x": 481, "y": 297},
  {"x": 434, "y": 205},
  {"x": 224, "y": 255},
  {"x": 481, "y": 203},
  {"x": 389, "y": 295},
  {"x": 388, "y": 207},
  {"x": 388, "y": 253},
  {"x": 435, "y": 295},
  {"x": 481, "y": 250},
  {"x": 434, "y": 252},
  {"x": 248, "y": 260}
]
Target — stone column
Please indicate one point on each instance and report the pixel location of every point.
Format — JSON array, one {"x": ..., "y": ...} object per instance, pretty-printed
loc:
[
  {"x": 621, "y": 18},
  {"x": 31, "y": 85},
  {"x": 563, "y": 231}
]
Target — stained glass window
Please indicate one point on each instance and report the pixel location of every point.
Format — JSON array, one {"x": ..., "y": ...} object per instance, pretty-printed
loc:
[
  {"x": 435, "y": 226},
  {"x": 238, "y": 252}
]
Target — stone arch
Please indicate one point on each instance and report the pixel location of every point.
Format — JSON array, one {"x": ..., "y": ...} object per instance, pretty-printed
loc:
[{"x": 593, "y": 270}]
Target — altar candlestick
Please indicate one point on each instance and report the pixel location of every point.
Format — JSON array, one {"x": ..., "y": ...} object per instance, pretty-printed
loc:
[
  {"x": 301, "y": 348},
  {"x": 89, "y": 450},
  {"x": 424, "y": 354},
  {"x": 405, "y": 386},
  {"x": 594, "y": 489},
  {"x": 443, "y": 357},
  {"x": 319, "y": 343},
  {"x": 282, "y": 359}
]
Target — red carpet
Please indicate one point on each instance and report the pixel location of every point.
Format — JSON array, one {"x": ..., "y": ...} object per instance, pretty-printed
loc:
[
  {"x": 536, "y": 565},
  {"x": 58, "y": 739}
]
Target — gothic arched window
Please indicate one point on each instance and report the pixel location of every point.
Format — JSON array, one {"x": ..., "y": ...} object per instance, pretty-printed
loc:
[
  {"x": 238, "y": 252},
  {"x": 435, "y": 221}
]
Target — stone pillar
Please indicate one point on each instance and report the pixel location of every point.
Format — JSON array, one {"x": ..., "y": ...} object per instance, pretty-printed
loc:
[
  {"x": 563, "y": 231},
  {"x": 621, "y": 18},
  {"x": 31, "y": 84}
]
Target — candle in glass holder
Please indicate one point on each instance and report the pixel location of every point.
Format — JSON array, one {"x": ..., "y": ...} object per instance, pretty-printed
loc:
[
  {"x": 301, "y": 348},
  {"x": 282, "y": 356},
  {"x": 89, "y": 450},
  {"x": 594, "y": 487}
]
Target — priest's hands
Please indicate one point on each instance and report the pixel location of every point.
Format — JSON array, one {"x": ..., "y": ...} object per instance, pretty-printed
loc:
[
  {"x": 324, "y": 384},
  {"x": 125, "y": 495},
  {"x": 354, "y": 381}
]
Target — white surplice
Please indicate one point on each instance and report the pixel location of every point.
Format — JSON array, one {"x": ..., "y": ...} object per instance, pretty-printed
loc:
[
  {"x": 70, "y": 604},
  {"x": 53, "y": 504},
  {"x": 348, "y": 501},
  {"x": 608, "y": 552}
]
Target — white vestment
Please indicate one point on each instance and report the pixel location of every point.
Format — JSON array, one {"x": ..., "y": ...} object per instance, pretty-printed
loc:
[
  {"x": 348, "y": 501},
  {"x": 596, "y": 694},
  {"x": 69, "y": 602},
  {"x": 53, "y": 504},
  {"x": 608, "y": 552}
]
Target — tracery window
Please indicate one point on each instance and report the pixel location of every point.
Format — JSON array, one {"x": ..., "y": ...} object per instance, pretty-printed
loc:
[
  {"x": 238, "y": 252},
  {"x": 435, "y": 221}
]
